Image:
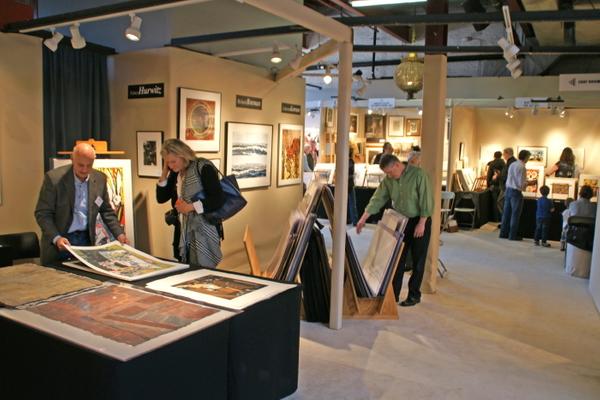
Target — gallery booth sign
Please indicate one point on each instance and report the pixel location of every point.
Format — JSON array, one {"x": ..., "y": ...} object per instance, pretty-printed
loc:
[{"x": 146, "y": 90}]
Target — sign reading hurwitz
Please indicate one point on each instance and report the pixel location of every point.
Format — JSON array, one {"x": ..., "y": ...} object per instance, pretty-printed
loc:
[
  {"x": 146, "y": 90},
  {"x": 579, "y": 82},
  {"x": 291, "y": 108},
  {"x": 248, "y": 102}
]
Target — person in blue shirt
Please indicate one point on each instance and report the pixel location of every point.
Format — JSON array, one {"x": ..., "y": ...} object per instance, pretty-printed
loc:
[{"x": 542, "y": 217}]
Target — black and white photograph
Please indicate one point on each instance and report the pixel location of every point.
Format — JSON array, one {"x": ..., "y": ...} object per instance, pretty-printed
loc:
[{"x": 149, "y": 145}]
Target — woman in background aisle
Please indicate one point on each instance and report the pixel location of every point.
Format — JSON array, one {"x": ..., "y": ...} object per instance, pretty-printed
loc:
[
  {"x": 565, "y": 167},
  {"x": 184, "y": 176}
]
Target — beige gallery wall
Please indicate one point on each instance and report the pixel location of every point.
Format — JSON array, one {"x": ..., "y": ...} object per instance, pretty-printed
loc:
[
  {"x": 580, "y": 129},
  {"x": 267, "y": 208},
  {"x": 463, "y": 130},
  {"x": 21, "y": 131}
]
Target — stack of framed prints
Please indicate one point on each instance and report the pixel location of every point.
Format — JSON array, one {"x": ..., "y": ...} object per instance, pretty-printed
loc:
[
  {"x": 117, "y": 321},
  {"x": 120, "y": 261},
  {"x": 200, "y": 119},
  {"x": 120, "y": 194},
  {"x": 562, "y": 188},
  {"x": 289, "y": 165},
  {"x": 219, "y": 288},
  {"x": 535, "y": 180},
  {"x": 592, "y": 181},
  {"x": 249, "y": 154}
]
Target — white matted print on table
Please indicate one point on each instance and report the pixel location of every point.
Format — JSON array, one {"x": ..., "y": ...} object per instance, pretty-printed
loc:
[
  {"x": 562, "y": 188},
  {"x": 149, "y": 159},
  {"x": 395, "y": 126},
  {"x": 593, "y": 181},
  {"x": 289, "y": 155},
  {"x": 539, "y": 155},
  {"x": 199, "y": 122},
  {"x": 219, "y": 288},
  {"x": 120, "y": 194},
  {"x": 248, "y": 155}
]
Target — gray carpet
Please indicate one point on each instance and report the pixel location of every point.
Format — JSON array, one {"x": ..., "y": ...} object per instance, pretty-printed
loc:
[{"x": 506, "y": 323}]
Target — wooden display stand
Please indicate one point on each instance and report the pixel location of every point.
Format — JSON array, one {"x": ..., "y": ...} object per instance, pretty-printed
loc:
[
  {"x": 381, "y": 307},
  {"x": 251, "y": 253}
]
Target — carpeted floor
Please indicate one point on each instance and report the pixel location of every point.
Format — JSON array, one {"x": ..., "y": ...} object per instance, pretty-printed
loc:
[{"x": 506, "y": 323}]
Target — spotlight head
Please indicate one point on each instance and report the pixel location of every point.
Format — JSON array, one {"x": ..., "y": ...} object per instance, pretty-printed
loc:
[
  {"x": 513, "y": 65},
  {"x": 562, "y": 112},
  {"x": 52, "y": 43},
  {"x": 369, "y": 111},
  {"x": 77, "y": 41},
  {"x": 516, "y": 73},
  {"x": 133, "y": 32},
  {"x": 275, "y": 56},
  {"x": 510, "y": 50},
  {"x": 327, "y": 78},
  {"x": 420, "y": 111}
]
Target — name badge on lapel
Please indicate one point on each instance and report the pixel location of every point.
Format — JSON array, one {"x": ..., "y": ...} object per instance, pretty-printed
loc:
[{"x": 98, "y": 201}]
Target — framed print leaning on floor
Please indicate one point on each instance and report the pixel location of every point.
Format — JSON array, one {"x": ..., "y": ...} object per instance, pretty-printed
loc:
[
  {"x": 289, "y": 155},
  {"x": 248, "y": 155},
  {"x": 149, "y": 159},
  {"x": 200, "y": 119}
]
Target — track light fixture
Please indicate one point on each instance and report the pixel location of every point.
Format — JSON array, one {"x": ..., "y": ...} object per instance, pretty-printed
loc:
[
  {"x": 77, "y": 41},
  {"x": 275, "y": 56},
  {"x": 327, "y": 78},
  {"x": 510, "y": 112},
  {"x": 133, "y": 32},
  {"x": 52, "y": 43}
]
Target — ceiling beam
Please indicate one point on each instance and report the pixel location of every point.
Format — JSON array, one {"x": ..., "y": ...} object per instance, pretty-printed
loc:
[
  {"x": 477, "y": 49},
  {"x": 387, "y": 63},
  {"x": 323, "y": 51},
  {"x": 402, "y": 19},
  {"x": 97, "y": 14}
]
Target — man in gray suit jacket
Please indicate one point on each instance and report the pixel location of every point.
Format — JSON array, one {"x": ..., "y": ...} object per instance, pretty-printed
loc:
[{"x": 70, "y": 199}]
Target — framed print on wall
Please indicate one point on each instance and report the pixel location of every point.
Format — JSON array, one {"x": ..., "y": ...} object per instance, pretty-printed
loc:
[
  {"x": 353, "y": 123},
  {"x": 539, "y": 155},
  {"x": 289, "y": 155},
  {"x": 248, "y": 155},
  {"x": 200, "y": 119},
  {"x": 149, "y": 159},
  {"x": 412, "y": 127},
  {"x": 591, "y": 180},
  {"x": 395, "y": 126},
  {"x": 374, "y": 127}
]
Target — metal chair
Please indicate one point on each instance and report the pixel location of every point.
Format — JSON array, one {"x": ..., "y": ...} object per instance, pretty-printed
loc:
[
  {"x": 447, "y": 204},
  {"x": 461, "y": 209},
  {"x": 14, "y": 246}
]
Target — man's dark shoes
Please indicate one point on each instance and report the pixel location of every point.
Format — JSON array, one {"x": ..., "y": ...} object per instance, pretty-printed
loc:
[{"x": 409, "y": 302}]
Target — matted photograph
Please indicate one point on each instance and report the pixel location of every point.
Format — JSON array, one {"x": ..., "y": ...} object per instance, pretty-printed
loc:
[
  {"x": 591, "y": 180},
  {"x": 395, "y": 126},
  {"x": 539, "y": 155},
  {"x": 220, "y": 288},
  {"x": 289, "y": 155},
  {"x": 118, "y": 321},
  {"x": 149, "y": 160},
  {"x": 248, "y": 157},
  {"x": 562, "y": 188},
  {"x": 412, "y": 127},
  {"x": 120, "y": 194},
  {"x": 353, "y": 124},
  {"x": 200, "y": 119},
  {"x": 374, "y": 127},
  {"x": 535, "y": 180}
]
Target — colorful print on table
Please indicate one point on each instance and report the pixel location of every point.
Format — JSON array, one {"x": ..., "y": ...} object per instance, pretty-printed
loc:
[
  {"x": 561, "y": 188},
  {"x": 249, "y": 154},
  {"x": 200, "y": 119},
  {"x": 220, "y": 286},
  {"x": 289, "y": 166}
]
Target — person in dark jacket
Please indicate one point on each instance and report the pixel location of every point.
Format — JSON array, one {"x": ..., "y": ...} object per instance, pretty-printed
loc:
[
  {"x": 387, "y": 149},
  {"x": 509, "y": 158},
  {"x": 495, "y": 168},
  {"x": 197, "y": 240}
]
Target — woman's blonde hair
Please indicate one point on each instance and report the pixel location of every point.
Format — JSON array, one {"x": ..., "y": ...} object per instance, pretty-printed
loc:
[{"x": 179, "y": 149}]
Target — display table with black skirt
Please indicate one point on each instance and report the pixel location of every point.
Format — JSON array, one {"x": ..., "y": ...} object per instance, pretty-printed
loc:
[
  {"x": 252, "y": 355},
  {"x": 528, "y": 219},
  {"x": 481, "y": 201}
]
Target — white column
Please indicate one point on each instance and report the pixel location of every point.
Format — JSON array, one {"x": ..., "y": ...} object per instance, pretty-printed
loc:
[{"x": 341, "y": 185}]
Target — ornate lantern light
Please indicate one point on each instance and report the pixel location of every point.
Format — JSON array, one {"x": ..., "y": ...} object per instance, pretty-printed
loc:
[{"x": 409, "y": 75}]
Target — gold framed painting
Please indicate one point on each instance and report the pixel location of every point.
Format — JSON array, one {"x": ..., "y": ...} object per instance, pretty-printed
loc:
[
  {"x": 199, "y": 123},
  {"x": 412, "y": 127}
]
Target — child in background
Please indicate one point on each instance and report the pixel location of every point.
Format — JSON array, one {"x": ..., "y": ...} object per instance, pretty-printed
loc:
[
  {"x": 542, "y": 217},
  {"x": 565, "y": 224}
]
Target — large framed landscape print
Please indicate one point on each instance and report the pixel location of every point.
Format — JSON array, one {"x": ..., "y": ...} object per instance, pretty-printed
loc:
[
  {"x": 289, "y": 155},
  {"x": 248, "y": 154},
  {"x": 120, "y": 194},
  {"x": 149, "y": 159},
  {"x": 200, "y": 119}
]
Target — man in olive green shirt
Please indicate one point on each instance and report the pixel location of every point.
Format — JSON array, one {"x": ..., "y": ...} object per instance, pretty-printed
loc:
[{"x": 410, "y": 191}]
